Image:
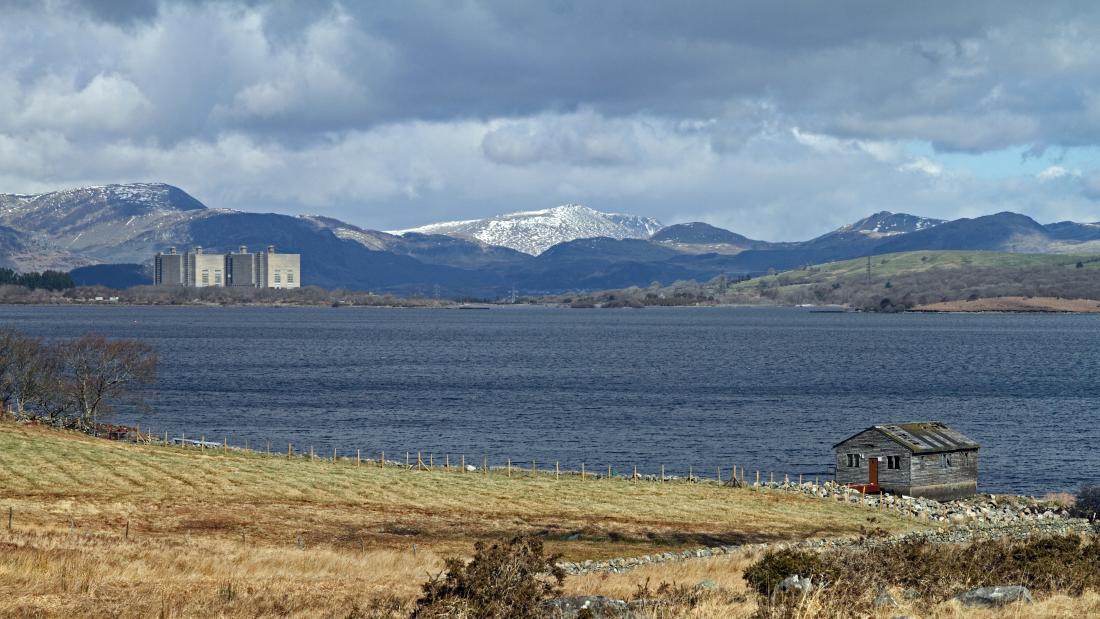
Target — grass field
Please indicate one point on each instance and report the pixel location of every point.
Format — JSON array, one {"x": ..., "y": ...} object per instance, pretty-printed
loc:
[
  {"x": 146, "y": 530},
  {"x": 893, "y": 265},
  {"x": 102, "y": 528}
]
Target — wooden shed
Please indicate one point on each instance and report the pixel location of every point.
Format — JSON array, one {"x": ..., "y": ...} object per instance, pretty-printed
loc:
[{"x": 924, "y": 458}]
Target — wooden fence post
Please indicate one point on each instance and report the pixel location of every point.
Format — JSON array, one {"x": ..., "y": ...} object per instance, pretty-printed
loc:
[
  {"x": 447, "y": 462},
  {"x": 609, "y": 472},
  {"x": 431, "y": 460},
  {"x": 533, "y": 470},
  {"x": 758, "y": 479},
  {"x": 269, "y": 448},
  {"x": 358, "y": 461},
  {"x": 691, "y": 472},
  {"x": 334, "y": 455},
  {"x": 557, "y": 471},
  {"x": 485, "y": 465},
  {"x": 382, "y": 460},
  {"x": 289, "y": 450},
  {"x": 225, "y": 445},
  {"x": 662, "y": 473},
  {"x": 719, "y": 474},
  {"x": 463, "y": 462},
  {"x": 635, "y": 472},
  {"x": 166, "y": 437},
  {"x": 509, "y": 467},
  {"x": 582, "y": 471},
  {"x": 406, "y": 459}
]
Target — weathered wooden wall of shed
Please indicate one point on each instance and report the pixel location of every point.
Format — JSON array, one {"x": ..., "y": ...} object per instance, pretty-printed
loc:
[
  {"x": 872, "y": 443},
  {"x": 932, "y": 478}
]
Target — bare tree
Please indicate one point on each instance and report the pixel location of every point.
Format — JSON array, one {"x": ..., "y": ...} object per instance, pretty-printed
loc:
[
  {"x": 6, "y": 364},
  {"x": 98, "y": 372},
  {"x": 28, "y": 373}
]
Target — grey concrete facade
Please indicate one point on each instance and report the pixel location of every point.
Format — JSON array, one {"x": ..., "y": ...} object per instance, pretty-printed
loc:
[
  {"x": 278, "y": 270},
  {"x": 198, "y": 269}
]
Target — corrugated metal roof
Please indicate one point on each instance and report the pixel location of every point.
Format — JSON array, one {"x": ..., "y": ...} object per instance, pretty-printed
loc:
[{"x": 924, "y": 436}]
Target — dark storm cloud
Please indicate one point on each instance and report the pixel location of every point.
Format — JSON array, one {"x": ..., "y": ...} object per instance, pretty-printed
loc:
[
  {"x": 673, "y": 109},
  {"x": 861, "y": 69}
]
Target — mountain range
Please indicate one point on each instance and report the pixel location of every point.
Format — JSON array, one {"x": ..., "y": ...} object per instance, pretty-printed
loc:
[{"x": 108, "y": 235}]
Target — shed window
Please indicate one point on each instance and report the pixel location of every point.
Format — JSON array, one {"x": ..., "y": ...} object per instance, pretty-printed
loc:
[
  {"x": 893, "y": 462},
  {"x": 853, "y": 460}
]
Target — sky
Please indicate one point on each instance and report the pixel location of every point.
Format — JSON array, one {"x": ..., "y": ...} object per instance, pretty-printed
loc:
[{"x": 778, "y": 120}]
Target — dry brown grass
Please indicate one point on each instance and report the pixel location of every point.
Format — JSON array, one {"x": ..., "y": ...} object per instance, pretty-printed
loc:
[
  {"x": 1014, "y": 304},
  {"x": 244, "y": 534},
  {"x": 734, "y": 599}
]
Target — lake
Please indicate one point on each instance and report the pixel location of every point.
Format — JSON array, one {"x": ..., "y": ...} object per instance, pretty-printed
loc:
[{"x": 766, "y": 389}]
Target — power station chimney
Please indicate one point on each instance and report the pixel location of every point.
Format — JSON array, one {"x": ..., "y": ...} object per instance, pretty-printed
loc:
[
  {"x": 198, "y": 249},
  {"x": 270, "y": 249},
  {"x": 244, "y": 249},
  {"x": 172, "y": 250}
]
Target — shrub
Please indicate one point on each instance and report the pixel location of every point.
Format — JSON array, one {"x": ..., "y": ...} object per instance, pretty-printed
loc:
[
  {"x": 1087, "y": 504},
  {"x": 936, "y": 572},
  {"x": 766, "y": 574},
  {"x": 503, "y": 580}
]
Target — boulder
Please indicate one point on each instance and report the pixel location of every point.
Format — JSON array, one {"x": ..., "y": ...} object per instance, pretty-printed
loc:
[
  {"x": 470, "y": 468},
  {"x": 597, "y": 606},
  {"x": 885, "y": 600},
  {"x": 992, "y": 597},
  {"x": 795, "y": 584}
]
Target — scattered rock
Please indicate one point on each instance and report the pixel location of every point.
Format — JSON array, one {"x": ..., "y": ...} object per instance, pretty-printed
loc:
[
  {"x": 598, "y": 606},
  {"x": 885, "y": 600},
  {"x": 706, "y": 584},
  {"x": 471, "y": 468},
  {"x": 992, "y": 597}
]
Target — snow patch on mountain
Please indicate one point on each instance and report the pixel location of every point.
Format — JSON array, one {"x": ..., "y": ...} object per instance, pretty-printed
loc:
[
  {"x": 885, "y": 223},
  {"x": 533, "y": 232}
]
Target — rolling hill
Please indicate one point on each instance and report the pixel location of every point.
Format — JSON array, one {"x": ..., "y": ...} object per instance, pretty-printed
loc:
[{"x": 564, "y": 248}]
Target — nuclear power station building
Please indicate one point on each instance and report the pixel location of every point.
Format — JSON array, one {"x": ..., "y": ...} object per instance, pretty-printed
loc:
[{"x": 196, "y": 269}]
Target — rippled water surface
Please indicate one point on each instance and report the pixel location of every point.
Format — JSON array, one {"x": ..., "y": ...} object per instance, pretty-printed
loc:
[{"x": 767, "y": 389}]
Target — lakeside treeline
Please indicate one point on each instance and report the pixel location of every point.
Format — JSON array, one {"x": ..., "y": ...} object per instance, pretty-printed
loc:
[
  {"x": 179, "y": 295},
  {"x": 72, "y": 383},
  {"x": 46, "y": 280}
]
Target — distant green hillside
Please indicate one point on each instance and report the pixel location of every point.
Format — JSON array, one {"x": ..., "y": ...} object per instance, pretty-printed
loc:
[{"x": 898, "y": 281}]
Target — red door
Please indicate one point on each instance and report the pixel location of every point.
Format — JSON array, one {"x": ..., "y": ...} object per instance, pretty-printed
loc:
[{"x": 872, "y": 471}]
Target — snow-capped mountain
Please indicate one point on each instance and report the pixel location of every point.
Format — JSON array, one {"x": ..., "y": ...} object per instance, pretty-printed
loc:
[
  {"x": 885, "y": 223},
  {"x": 533, "y": 232},
  {"x": 75, "y": 227}
]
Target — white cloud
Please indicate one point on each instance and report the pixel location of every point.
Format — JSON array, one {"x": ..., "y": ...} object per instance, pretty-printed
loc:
[
  {"x": 923, "y": 165},
  {"x": 1056, "y": 171},
  {"x": 107, "y": 102}
]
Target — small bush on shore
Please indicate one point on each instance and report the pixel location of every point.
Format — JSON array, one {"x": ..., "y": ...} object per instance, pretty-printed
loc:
[
  {"x": 502, "y": 581},
  {"x": 1087, "y": 504}
]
